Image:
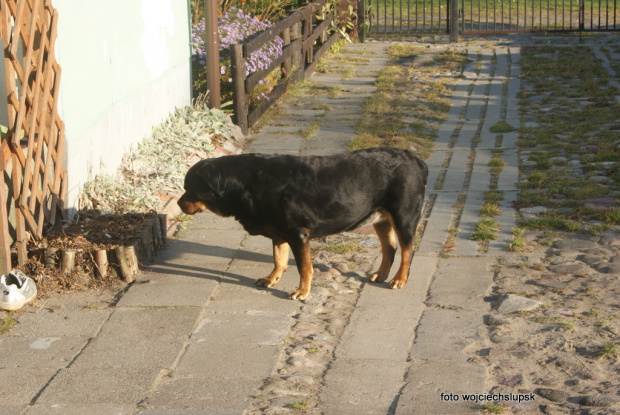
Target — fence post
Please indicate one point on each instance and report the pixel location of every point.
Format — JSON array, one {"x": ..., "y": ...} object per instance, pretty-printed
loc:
[
  {"x": 286, "y": 65},
  {"x": 296, "y": 55},
  {"x": 454, "y": 21},
  {"x": 212, "y": 49},
  {"x": 240, "y": 99},
  {"x": 361, "y": 20}
]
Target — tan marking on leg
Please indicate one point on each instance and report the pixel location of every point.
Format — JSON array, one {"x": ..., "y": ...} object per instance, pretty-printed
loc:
[
  {"x": 387, "y": 237},
  {"x": 400, "y": 279},
  {"x": 306, "y": 271},
  {"x": 280, "y": 262}
]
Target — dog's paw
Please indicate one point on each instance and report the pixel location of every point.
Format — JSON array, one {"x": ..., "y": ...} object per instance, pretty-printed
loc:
[
  {"x": 376, "y": 277},
  {"x": 265, "y": 282},
  {"x": 299, "y": 295},
  {"x": 397, "y": 284}
]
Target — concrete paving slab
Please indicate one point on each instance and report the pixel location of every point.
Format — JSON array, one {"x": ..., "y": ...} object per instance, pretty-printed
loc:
[
  {"x": 480, "y": 176},
  {"x": 456, "y": 174},
  {"x": 443, "y": 335},
  {"x": 92, "y": 385},
  {"x": 39, "y": 352},
  {"x": 242, "y": 329},
  {"x": 213, "y": 395},
  {"x": 209, "y": 220},
  {"x": 461, "y": 283},
  {"x": 188, "y": 412},
  {"x": 437, "y": 224},
  {"x": 226, "y": 238},
  {"x": 245, "y": 277},
  {"x": 61, "y": 323},
  {"x": 252, "y": 301},
  {"x": 361, "y": 386},
  {"x": 427, "y": 381},
  {"x": 22, "y": 386},
  {"x": 373, "y": 335},
  {"x": 234, "y": 361},
  {"x": 13, "y": 409},
  {"x": 150, "y": 322},
  {"x": 165, "y": 294},
  {"x": 99, "y": 409},
  {"x": 470, "y": 216},
  {"x": 255, "y": 258},
  {"x": 192, "y": 253},
  {"x": 130, "y": 353}
]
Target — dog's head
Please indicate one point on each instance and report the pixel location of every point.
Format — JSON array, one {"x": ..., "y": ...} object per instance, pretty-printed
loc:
[{"x": 202, "y": 189}]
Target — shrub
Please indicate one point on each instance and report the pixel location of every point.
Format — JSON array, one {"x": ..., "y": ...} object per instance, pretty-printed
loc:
[{"x": 235, "y": 27}]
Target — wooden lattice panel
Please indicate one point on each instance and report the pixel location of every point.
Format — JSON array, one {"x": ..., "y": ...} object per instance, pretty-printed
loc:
[{"x": 33, "y": 145}]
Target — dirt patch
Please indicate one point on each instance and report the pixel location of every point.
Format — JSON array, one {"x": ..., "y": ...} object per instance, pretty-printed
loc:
[
  {"x": 89, "y": 233},
  {"x": 559, "y": 338}
]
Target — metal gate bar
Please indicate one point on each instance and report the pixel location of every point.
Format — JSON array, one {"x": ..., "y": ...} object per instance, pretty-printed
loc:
[
  {"x": 493, "y": 16},
  {"x": 539, "y": 15},
  {"x": 408, "y": 16}
]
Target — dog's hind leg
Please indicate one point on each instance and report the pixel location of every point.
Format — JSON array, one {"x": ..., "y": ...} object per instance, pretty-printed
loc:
[
  {"x": 280, "y": 264},
  {"x": 407, "y": 251},
  {"x": 301, "y": 251},
  {"x": 405, "y": 233},
  {"x": 385, "y": 232}
]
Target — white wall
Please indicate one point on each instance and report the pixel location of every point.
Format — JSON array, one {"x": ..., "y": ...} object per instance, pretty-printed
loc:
[{"x": 125, "y": 67}]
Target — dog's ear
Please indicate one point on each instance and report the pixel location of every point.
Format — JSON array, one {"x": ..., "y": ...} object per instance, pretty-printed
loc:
[
  {"x": 211, "y": 177},
  {"x": 268, "y": 185}
]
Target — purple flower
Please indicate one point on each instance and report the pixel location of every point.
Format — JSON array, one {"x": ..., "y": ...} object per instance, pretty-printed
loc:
[{"x": 237, "y": 27}]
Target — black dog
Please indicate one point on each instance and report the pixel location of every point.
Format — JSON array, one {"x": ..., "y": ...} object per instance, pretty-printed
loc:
[{"x": 294, "y": 199}]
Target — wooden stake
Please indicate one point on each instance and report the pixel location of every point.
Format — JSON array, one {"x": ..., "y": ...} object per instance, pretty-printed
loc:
[
  {"x": 51, "y": 258},
  {"x": 122, "y": 263},
  {"x": 132, "y": 260},
  {"x": 101, "y": 263},
  {"x": 67, "y": 260}
]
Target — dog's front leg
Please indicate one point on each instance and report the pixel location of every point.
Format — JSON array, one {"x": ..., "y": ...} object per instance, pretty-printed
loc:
[
  {"x": 280, "y": 264},
  {"x": 301, "y": 251}
]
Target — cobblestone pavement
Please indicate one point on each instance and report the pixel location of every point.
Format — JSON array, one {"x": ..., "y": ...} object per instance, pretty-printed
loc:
[{"x": 193, "y": 335}]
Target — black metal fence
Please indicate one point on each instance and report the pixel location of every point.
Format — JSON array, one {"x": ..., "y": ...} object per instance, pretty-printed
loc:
[{"x": 492, "y": 16}]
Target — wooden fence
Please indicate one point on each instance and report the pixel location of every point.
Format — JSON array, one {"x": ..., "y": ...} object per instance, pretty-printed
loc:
[
  {"x": 306, "y": 39},
  {"x": 32, "y": 177}
]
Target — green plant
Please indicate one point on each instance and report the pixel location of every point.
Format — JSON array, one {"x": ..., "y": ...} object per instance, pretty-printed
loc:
[
  {"x": 502, "y": 127},
  {"x": 518, "y": 243},
  {"x": 489, "y": 210},
  {"x": 343, "y": 248},
  {"x": 493, "y": 196},
  {"x": 301, "y": 405},
  {"x": 7, "y": 323},
  {"x": 613, "y": 216},
  {"x": 492, "y": 408},
  {"x": 550, "y": 224},
  {"x": 310, "y": 130},
  {"x": 608, "y": 350},
  {"x": 485, "y": 230}
]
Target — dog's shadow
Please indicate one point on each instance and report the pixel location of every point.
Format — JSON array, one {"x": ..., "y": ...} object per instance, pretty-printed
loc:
[{"x": 216, "y": 263}]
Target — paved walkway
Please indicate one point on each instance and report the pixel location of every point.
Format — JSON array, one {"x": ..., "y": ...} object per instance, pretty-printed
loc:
[{"x": 194, "y": 336}]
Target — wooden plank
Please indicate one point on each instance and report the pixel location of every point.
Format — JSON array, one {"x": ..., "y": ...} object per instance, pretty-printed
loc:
[
  {"x": 36, "y": 100},
  {"x": 5, "y": 237},
  {"x": 52, "y": 158},
  {"x": 25, "y": 88},
  {"x": 21, "y": 7},
  {"x": 43, "y": 133},
  {"x": 21, "y": 240},
  {"x": 252, "y": 79},
  {"x": 255, "y": 114},
  {"x": 320, "y": 52},
  {"x": 267, "y": 35}
]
